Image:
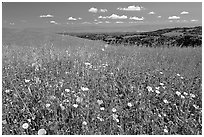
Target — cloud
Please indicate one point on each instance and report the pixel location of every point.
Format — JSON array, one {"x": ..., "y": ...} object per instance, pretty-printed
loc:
[
  {"x": 137, "y": 18},
  {"x": 107, "y": 21},
  {"x": 151, "y": 13},
  {"x": 79, "y": 18},
  {"x": 86, "y": 23},
  {"x": 193, "y": 20},
  {"x": 12, "y": 23},
  {"x": 103, "y": 10},
  {"x": 173, "y": 17},
  {"x": 184, "y": 12},
  {"x": 131, "y": 8},
  {"x": 72, "y": 18},
  {"x": 93, "y": 10},
  {"x": 53, "y": 22},
  {"x": 119, "y": 22},
  {"x": 158, "y": 16},
  {"x": 46, "y": 16},
  {"x": 113, "y": 16}
]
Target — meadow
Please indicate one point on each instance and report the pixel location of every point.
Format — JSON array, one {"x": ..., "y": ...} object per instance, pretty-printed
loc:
[{"x": 101, "y": 90}]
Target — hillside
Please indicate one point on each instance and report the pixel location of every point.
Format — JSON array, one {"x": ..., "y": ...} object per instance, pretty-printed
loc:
[{"x": 181, "y": 37}]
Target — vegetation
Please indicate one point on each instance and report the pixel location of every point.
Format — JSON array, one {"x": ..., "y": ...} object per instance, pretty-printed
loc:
[{"x": 101, "y": 89}]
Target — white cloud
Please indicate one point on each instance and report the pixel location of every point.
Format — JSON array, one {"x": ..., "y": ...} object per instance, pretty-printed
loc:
[
  {"x": 193, "y": 20},
  {"x": 119, "y": 22},
  {"x": 79, "y": 18},
  {"x": 158, "y": 16},
  {"x": 72, "y": 18},
  {"x": 184, "y": 12},
  {"x": 173, "y": 17},
  {"x": 152, "y": 12},
  {"x": 114, "y": 16},
  {"x": 46, "y": 16},
  {"x": 95, "y": 20},
  {"x": 93, "y": 10},
  {"x": 137, "y": 18},
  {"x": 131, "y": 8},
  {"x": 107, "y": 21},
  {"x": 53, "y": 22},
  {"x": 98, "y": 22},
  {"x": 103, "y": 10}
]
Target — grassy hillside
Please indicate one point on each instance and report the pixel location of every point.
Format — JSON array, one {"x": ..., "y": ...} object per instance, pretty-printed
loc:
[{"x": 95, "y": 89}]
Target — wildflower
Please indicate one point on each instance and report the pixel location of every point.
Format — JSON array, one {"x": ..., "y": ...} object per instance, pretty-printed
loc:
[
  {"x": 162, "y": 84},
  {"x": 67, "y": 90},
  {"x": 159, "y": 115},
  {"x": 192, "y": 95},
  {"x": 149, "y": 89},
  {"x": 113, "y": 109},
  {"x": 182, "y": 77},
  {"x": 182, "y": 97},
  {"x": 4, "y": 122},
  {"x": 25, "y": 126},
  {"x": 100, "y": 102},
  {"x": 165, "y": 130},
  {"x": 84, "y": 89},
  {"x": 178, "y": 75},
  {"x": 29, "y": 120},
  {"x": 164, "y": 114},
  {"x": 157, "y": 91},
  {"x": 106, "y": 45},
  {"x": 79, "y": 100},
  {"x": 185, "y": 93},
  {"x": 103, "y": 49},
  {"x": 84, "y": 123},
  {"x": 75, "y": 105},
  {"x": 42, "y": 132},
  {"x": 178, "y": 93},
  {"x": 47, "y": 105},
  {"x": 27, "y": 80},
  {"x": 115, "y": 117},
  {"x": 62, "y": 107},
  {"x": 157, "y": 88},
  {"x": 101, "y": 119},
  {"x": 161, "y": 72},
  {"x": 87, "y": 63},
  {"x": 197, "y": 107},
  {"x": 102, "y": 108},
  {"x": 7, "y": 91},
  {"x": 165, "y": 101},
  {"x": 129, "y": 104}
]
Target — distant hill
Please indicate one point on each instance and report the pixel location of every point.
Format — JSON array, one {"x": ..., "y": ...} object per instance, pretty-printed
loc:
[{"x": 180, "y": 36}]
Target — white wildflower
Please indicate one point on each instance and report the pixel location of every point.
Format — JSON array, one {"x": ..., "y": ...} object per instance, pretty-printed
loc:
[
  {"x": 182, "y": 97},
  {"x": 103, "y": 49},
  {"x": 178, "y": 93},
  {"x": 185, "y": 93},
  {"x": 75, "y": 105},
  {"x": 84, "y": 89},
  {"x": 62, "y": 107},
  {"x": 192, "y": 95},
  {"x": 161, "y": 72},
  {"x": 115, "y": 117},
  {"x": 129, "y": 104},
  {"x": 164, "y": 114},
  {"x": 4, "y": 122},
  {"x": 165, "y": 101},
  {"x": 42, "y": 132},
  {"x": 25, "y": 126},
  {"x": 67, "y": 90},
  {"x": 149, "y": 89},
  {"x": 157, "y": 88},
  {"x": 157, "y": 91},
  {"x": 113, "y": 109},
  {"x": 29, "y": 120},
  {"x": 165, "y": 130},
  {"x": 162, "y": 84},
  {"x": 7, "y": 91},
  {"x": 178, "y": 75},
  {"x": 100, "y": 102},
  {"x": 87, "y": 63},
  {"x": 159, "y": 115},
  {"x": 27, "y": 80},
  {"x": 182, "y": 77},
  {"x": 47, "y": 105},
  {"x": 84, "y": 123},
  {"x": 197, "y": 107},
  {"x": 102, "y": 108},
  {"x": 101, "y": 119}
]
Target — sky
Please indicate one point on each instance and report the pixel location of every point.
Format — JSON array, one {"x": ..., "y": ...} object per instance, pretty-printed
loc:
[{"x": 47, "y": 14}]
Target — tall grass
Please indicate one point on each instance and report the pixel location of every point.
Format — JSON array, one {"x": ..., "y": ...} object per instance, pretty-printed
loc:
[{"x": 142, "y": 90}]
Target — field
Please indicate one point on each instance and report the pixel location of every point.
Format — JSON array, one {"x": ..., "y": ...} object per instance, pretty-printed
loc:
[{"x": 99, "y": 89}]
